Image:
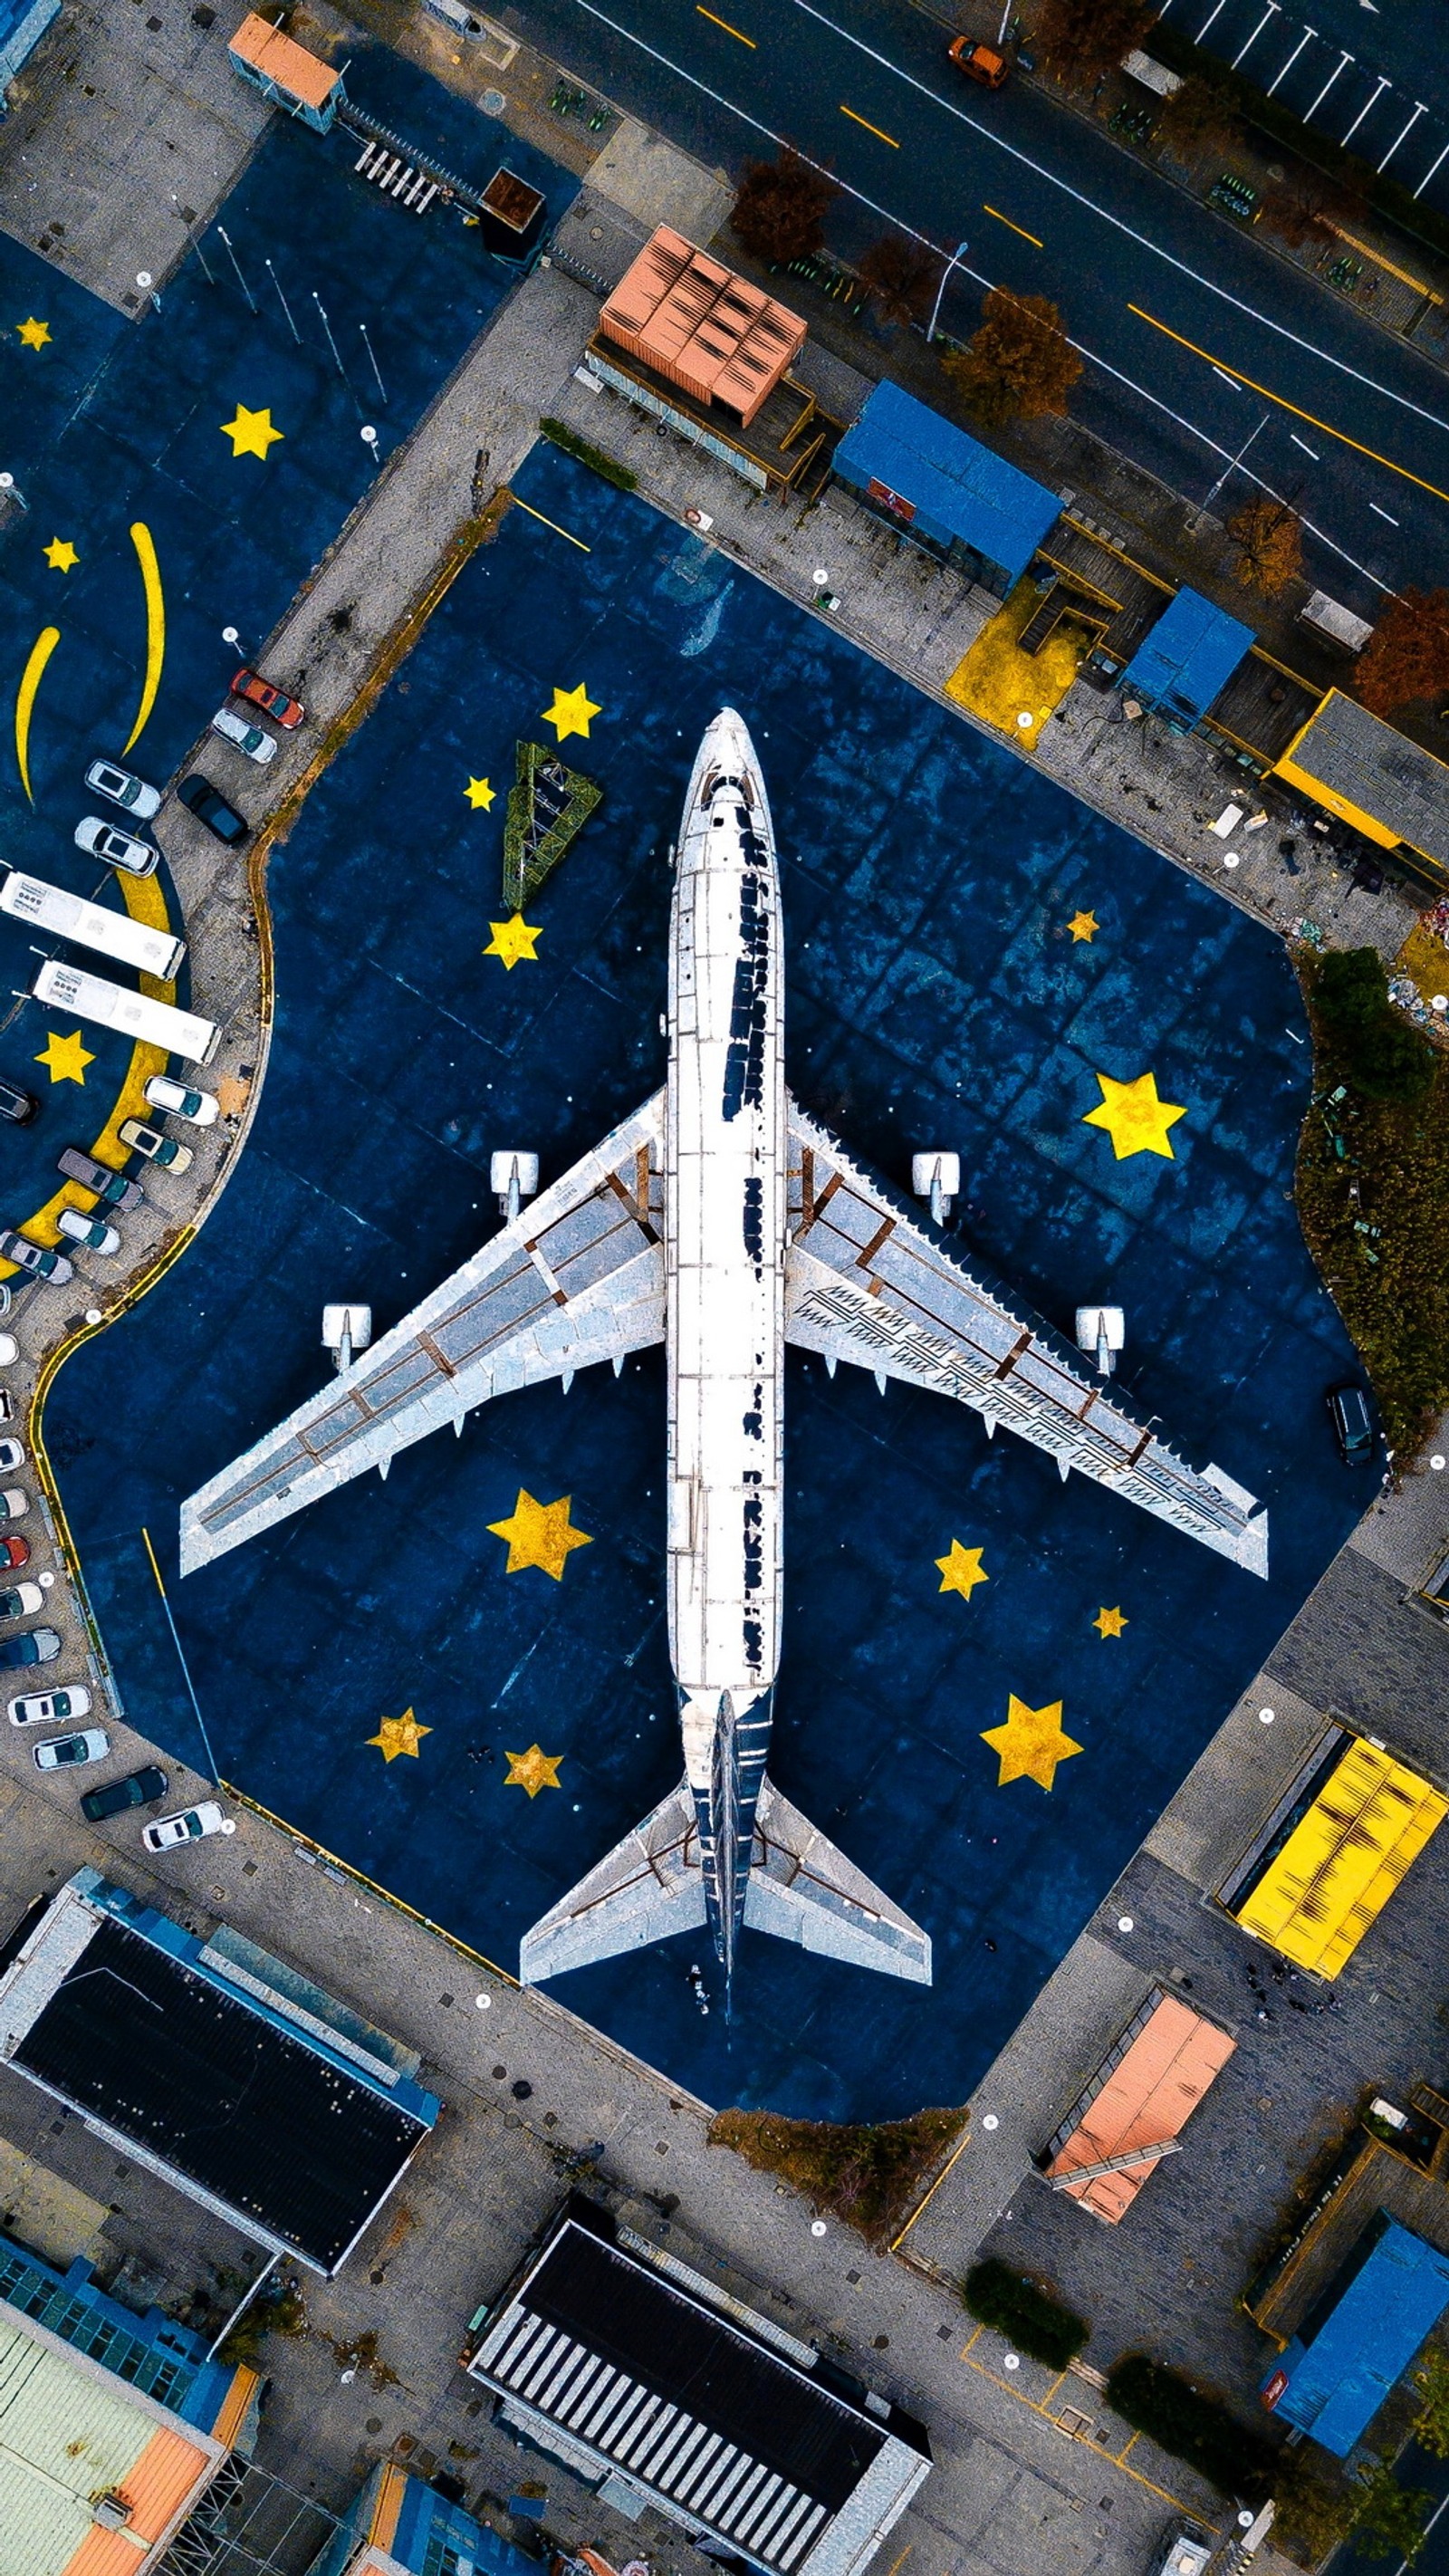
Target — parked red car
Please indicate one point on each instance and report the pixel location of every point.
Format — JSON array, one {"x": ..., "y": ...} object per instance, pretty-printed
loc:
[
  {"x": 13, "y": 1552},
  {"x": 285, "y": 711}
]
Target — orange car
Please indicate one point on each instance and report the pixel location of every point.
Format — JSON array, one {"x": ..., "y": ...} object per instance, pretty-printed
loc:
[{"x": 979, "y": 62}]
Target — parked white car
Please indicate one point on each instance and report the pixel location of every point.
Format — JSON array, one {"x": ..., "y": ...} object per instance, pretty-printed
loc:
[
  {"x": 191, "y": 1825},
  {"x": 201, "y": 1107},
  {"x": 59, "y": 1752},
  {"x": 52, "y": 1708},
  {"x": 14, "y": 1503},
  {"x": 9, "y": 1353},
  {"x": 12, "y": 1455},
  {"x": 119, "y": 849},
  {"x": 21, "y": 1600},
  {"x": 258, "y": 746},
  {"x": 92, "y": 1231},
  {"x": 123, "y": 787}
]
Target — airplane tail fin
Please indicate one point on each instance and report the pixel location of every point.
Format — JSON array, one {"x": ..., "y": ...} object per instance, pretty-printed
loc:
[{"x": 800, "y": 1889}]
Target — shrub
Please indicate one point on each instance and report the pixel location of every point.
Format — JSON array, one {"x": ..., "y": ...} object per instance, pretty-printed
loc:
[
  {"x": 571, "y": 443},
  {"x": 871, "y": 2177},
  {"x": 1383, "y": 1057},
  {"x": 1181, "y": 2420},
  {"x": 1021, "y": 2309}
]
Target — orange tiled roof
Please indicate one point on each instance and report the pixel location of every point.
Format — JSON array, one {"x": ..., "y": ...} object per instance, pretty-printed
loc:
[
  {"x": 710, "y": 332},
  {"x": 1148, "y": 2097},
  {"x": 291, "y": 66}
]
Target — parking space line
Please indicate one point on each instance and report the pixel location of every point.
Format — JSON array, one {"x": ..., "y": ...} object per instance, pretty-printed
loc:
[
  {"x": 701, "y": 12},
  {"x": 1383, "y": 514},
  {"x": 870, "y": 129},
  {"x": 549, "y": 523},
  {"x": 1303, "y": 443},
  {"x": 1011, "y": 227}
]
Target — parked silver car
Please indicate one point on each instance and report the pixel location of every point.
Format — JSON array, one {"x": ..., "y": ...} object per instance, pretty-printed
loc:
[{"x": 123, "y": 787}]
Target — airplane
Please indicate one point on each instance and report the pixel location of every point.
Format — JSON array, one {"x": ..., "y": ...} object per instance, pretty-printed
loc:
[{"x": 725, "y": 1222}]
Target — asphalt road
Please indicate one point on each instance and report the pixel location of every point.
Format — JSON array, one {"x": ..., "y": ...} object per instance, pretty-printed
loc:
[
  {"x": 1197, "y": 340},
  {"x": 1371, "y": 72},
  {"x": 1420, "y": 2471}
]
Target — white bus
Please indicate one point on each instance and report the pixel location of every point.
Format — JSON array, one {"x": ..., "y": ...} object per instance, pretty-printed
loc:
[
  {"x": 92, "y": 925},
  {"x": 158, "y": 1023}
]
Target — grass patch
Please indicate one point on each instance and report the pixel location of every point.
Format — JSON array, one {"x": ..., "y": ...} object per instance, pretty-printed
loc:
[
  {"x": 1373, "y": 1190},
  {"x": 870, "y": 2177},
  {"x": 594, "y": 457},
  {"x": 1019, "y": 2308},
  {"x": 1190, "y": 2426}
]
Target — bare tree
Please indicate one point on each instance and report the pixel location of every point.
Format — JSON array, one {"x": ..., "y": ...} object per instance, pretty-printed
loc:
[
  {"x": 1020, "y": 363},
  {"x": 1269, "y": 539},
  {"x": 1081, "y": 38},
  {"x": 1197, "y": 118},
  {"x": 901, "y": 276},
  {"x": 1407, "y": 656},
  {"x": 779, "y": 213}
]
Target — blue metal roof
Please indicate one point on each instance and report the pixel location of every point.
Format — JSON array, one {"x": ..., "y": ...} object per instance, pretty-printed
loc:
[
  {"x": 22, "y": 24},
  {"x": 947, "y": 481},
  {"x": 1191, "y": 653},
  {"x": 1338, "y": 2381}
]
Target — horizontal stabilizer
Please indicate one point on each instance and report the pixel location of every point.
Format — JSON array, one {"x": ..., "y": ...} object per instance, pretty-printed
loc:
[
  {"x": 802, "y": 1889},
  {"x": 649, "y": 1886}
]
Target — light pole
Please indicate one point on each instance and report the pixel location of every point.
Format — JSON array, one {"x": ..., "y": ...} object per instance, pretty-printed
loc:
[
  {"x": 1235, "y": 461},
  {"x": 957, "y": 255},
  {"x": 145, "y": 282},
  {"x": 369, "y": 438}
]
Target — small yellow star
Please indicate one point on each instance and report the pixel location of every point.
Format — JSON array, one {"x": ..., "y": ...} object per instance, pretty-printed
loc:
[
  {"x": 571, "y": 712},
  {"x": 65, "y": 1059},
  {"x": 1133, "y": 1116},
  {"x": 1109, "y": 1623},
  {"x": 539, "y": 1534},
  {"x": 61, "y": 555},
  {"x": 1083, "y": 925},
  {"x": 962, "y": 1570},
  {"x": 478, "y": 792},
  {"x": 533, "y": 1770},
  {"x": 514, "y": 939},
  {"x": 397, "y": 1735},
  {"x": 251, "y": 432},
  {"x": 34, "y": 334},
  {"x": 1031, "y": 1743}
]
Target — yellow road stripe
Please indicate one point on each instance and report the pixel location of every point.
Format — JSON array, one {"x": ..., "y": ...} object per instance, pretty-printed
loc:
[
  {"x": 40, "y": 653},
  {"x": 155, "y": 1568},
  {"x": 551, "y": 523},
  {"x": 1284, "y": 404},
  {"x": 870, "y": 129},
  {"x": 155, "y": 629},
  {"x": 1011, "y": 227},
  {"x": 729, "y": 30}
]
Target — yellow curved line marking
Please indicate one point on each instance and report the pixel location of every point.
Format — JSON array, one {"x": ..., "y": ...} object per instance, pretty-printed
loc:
[
  {"x": 40, "y": 653},
  {"x": 155, "y": 628}
]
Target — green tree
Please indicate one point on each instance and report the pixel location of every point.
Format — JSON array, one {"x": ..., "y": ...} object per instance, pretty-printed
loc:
[
  {"x": 1431, "y": 2424},
  {"x": 1383, "y": 1057},
  {"x": 1388, "y": 2516}
]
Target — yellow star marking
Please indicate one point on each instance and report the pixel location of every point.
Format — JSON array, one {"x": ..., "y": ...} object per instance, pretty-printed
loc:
[
  {"x": 1133, "y": 1116},
  {"x": 514, "y": 939},
  {"x": 1084, "y": 925},
  {"x": 478, "y": 792},
  {"x": 533, "y": 1770},
  {"x": 962, "y": 1570},
  {"x": 65, "y": 1059},
  {"x": 1031, "y": 1743},
  {"x": 539, "y": 1534},
  {"x": 397, "y": 1735},
  {"x": 571, "y": 712},
  {"x": 1109, "y": 1623},
  {"x": 34, "y": 334},
  {"x": 61, "y": 555},
  {"x": 251, "y": 433}
]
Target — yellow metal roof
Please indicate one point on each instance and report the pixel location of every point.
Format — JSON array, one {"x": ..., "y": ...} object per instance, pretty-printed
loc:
[
  {"x": 1343, "y": 1860},
  {"x": 66, "y": 2435}
]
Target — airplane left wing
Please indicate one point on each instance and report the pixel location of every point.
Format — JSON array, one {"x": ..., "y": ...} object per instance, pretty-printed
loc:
[
  {"x": 576, "y": 1278},
  {"x": 869, "y": 1281}
]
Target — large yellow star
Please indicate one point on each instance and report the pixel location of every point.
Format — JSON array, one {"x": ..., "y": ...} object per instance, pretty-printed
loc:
[
  {"x": 478, "y": 792},
  {"x": 34, "y": 334},
  {"x": 514, "y": 939},
  {"x": 1109, "y": 1623},
  {"x": 251, "y": 432},
  {"x": 533, "y": 1770},
  {"x": 397, "y": 1735},
  {"x": 65, "y": 1059},
  {"x": 571, "y": 712},
  {"x": 1133, "y": 1116},
  {"x": 962, "y": 1570},
  {"x": 61, "y": 555},
  {"x": 1084, "y": 925},
  {"x": 1031, "y": 1743},
  {"x": 539, "y": 1534}
]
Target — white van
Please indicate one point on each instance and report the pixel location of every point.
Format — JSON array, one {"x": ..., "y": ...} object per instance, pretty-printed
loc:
[{"x": 92, "y": 925}]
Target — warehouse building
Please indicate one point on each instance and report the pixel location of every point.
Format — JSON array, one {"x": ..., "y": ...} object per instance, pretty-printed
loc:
[
  {"x": 213, "y": 2064},
  {"x": 650, "y": 2382},
  {"x": 1332, "y": 1853},
  {"x": 1368, "y": 774},
  {"x": 944, "y": 490},
  {"x": 1357, "y": 2343},
  {"x": 1187, "y": 659}
]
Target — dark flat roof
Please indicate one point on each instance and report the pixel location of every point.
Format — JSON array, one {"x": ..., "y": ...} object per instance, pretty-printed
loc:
[{"x": 210, "y": 2087}]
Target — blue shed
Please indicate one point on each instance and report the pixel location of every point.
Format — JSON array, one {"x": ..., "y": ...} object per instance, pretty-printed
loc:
[
  {"x": 1190, "y": 654},
  {"x": 22, "y": 24},
  {"x": 1358, "y": 2341},
  {"x": 398, "y": 2526},
  {"x": 944, "y": 489}
]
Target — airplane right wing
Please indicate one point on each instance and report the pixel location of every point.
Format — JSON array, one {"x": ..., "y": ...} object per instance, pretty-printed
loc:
[{"x": 576, "y": 1278}]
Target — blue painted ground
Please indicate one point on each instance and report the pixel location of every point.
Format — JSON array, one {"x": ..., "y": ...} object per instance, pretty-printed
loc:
[
  {"x": 110, "y": 422},
  {"x": 936, "y": 998}
]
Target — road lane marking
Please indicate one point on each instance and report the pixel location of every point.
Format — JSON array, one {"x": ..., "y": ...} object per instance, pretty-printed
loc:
[
  {"x": 1227, "y": 379},
  {"x": 888, "y": 215},
  {"x": 1144, "y": 241},
  {"x": 1383, "y": 514},
  {"x": 1284, "y": 404},
  {"x": 1010, "y": 226},
  {"x": 701, "y": 12},
  {"x": 870, "y": 129},
  {"x": 1303, "y": 443}
]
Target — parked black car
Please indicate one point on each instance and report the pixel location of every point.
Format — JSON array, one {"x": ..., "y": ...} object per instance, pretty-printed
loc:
[
  {"x": 140, "y": 1789},
  {"x": 211, "y": 808},
  {"x": 1353, "y": 1426}
]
